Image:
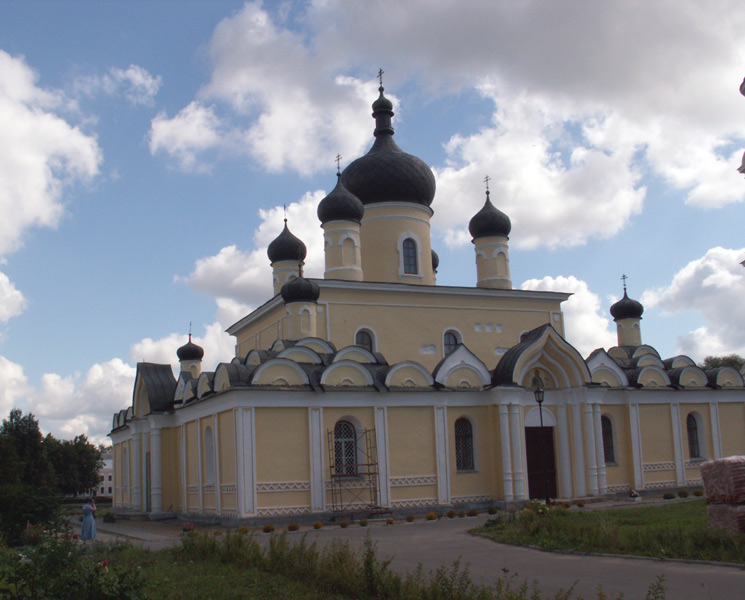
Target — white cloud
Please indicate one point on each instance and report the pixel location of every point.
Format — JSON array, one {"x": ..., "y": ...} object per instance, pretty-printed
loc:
[
  {"x": 15, "y": 385},
  {"x": 71, "y": 405},
  {"x": 245, "y": 277},
  {"x": 585, "y": 319},
  {"x": 714, "y": 285},
  {"x": 135, "y": 82},
  {"x": 194, "y": 129},
  {"x": 41, "y": 153},
  {"x": 12, "y": 302}
]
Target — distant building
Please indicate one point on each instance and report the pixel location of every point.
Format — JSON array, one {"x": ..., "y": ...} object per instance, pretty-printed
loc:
[
  {"x": 105, "y": 488},
  {"x": 376, "y": 389}
]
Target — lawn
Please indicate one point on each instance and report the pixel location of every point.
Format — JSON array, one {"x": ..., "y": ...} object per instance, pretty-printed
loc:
[{"x": 675, "y": 530}]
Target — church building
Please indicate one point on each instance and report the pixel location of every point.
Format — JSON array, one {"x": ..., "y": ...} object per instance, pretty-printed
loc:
[{"x": 375, "y": 390}]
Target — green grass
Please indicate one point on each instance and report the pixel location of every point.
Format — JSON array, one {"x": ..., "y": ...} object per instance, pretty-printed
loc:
[{"x": 668, "y": 531}]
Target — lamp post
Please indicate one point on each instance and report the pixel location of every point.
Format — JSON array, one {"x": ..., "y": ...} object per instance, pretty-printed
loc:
[{"x": 538, "y": 393}]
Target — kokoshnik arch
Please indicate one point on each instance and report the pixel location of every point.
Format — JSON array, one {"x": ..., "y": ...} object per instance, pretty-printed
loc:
[{"x": 376, "y": 389}]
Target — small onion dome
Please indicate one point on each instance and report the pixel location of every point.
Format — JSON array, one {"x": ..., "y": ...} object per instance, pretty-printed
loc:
[
  {"x": 190, "y": 351},
  {"x": 435, "y": 261},
  {"x": 386, "y": 173},
  {"x": 340, "y": 205},
  {"x": 626, "y": 308},
  {"x": 286, "y": 247},
  {"x": 300, "y": 289},
  {"x": 489, "y": 222}
]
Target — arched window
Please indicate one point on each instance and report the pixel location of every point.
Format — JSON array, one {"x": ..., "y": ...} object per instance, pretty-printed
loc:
[
  {"x": 449, "y": 342},
  {"x": 345, "y": 449},
  {"x": 464, "y": 445},
  {"x": 209, "y": 457},
  {"x": 410, "y": 258},
  {"x": 694, "y": 442},
  {"x": 608, "y": 447},
  {"x": 365, "y": 339}
]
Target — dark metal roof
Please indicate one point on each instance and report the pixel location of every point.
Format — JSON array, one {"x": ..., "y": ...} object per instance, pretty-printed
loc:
[
  {"x": 489, "y": 222},
  {"x": 340, "y": 205},
  {"x": 506, "y": 367},
  {"x": 300, "y": 289},
  {"x": 626, "y": 308},
  {"x": 160, "y": 385},
  {"x": 286, "y": 247}
]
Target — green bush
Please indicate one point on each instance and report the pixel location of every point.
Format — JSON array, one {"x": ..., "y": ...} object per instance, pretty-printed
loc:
[
  {"x": 473, "y": 513},
  {"x": 668, "y": 495},
  {"x": 58, "y": 567},
  {"x": 452, "y": 514},
  {"x": 431, "y": 516},
  {"x": 344, "y": 524},
  {"x": 317, "y": 525},
  {"x": 682, "y": 493},
  {"x": 409, "y": 518},
  {"x": 363, "y": 522},
  {"x": 109, "y": 517},
  {"x": 293, "y": 527},
  {"x": 268, "y": 528},
  {"x": 698, "y": 492},
  {"x": 492, "y": 510}
]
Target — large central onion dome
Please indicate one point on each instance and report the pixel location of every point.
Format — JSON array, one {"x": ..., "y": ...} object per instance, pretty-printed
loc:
[
  {"x": 626, "y": 308},
  {"x": 489, "y": 221},
  {"x": 386, "y": 173}
]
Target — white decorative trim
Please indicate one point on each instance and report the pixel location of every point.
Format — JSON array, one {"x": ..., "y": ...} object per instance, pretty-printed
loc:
[
  {"x": 661, "y": 466},
  {"x": 283, "y": 486},
  {"x": 282, "y": 511},
  {"x": 209, "y": 511},
  {"x": 614, "y": 489},
  {"x": 694, "y": 482},
  {"x": 419, "y": 502},
  {"x": 412, "y": 481},
  {"x": 353, "y": 483},
  {"x": 209, "y": 489},
  {"x": 229, "y": 512},
  {"x": 228, "y": 488},
  {"x": 472, "y": 499},
  {"x": 659, "y": 485},
  {"x": 694, "y": 464},
  {"x": 192, "y": 489}
]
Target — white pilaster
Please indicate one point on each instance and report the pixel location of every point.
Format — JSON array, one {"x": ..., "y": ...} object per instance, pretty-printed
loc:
[
  {"x": 636, "y": 446},
  {"x": 248, "y": 451},
  {"x": 156, "y": 479},
  {"x": 317, "y": 479},
  {"x": 516, "y": 440},
  {"x": 239, "y": 491},
  {"x": 504, "y": 435},
  {"x": 565, "y": 462},
  {"x": 581, "y": 476},
  {"x": 443, "y": 454},
  {"x": 680, "y": 473},
  {"x": 716, "y": 434},
  {"x": 381, "y": 443},
  {"x": 134, "y": 465},
  {"x": 591, "y": 455},
  {"x": 200, "y": 480},
  {"x": 599, "y": 450},
  {"x": 218, "y": 477},
  {"x": 182, "y": 448}
]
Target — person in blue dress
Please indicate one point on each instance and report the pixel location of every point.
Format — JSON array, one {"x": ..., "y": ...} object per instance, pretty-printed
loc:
[{"x": 88, "y": 529}]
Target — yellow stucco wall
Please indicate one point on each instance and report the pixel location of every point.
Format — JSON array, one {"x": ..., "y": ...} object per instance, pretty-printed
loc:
[
  {"x": 657, "y": 436},
  {"x": 170, "y": 442},
  {"x": 192, "y": 465},
  {"x": 485, "y": 427},
  {"x": 226, "y": 427},
  {"x": 411, "y": 434},
  {"x": 282, "y": 442},
  {"x": 622, "y": 472},
  {"x": 706, "y": 445},
  {"x": 732, "y": 427}
]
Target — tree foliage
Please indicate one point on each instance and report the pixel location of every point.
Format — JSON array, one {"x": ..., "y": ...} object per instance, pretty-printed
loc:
[
  {"x": 731, "y": 360},
  {"x": 35, "y": 471}
]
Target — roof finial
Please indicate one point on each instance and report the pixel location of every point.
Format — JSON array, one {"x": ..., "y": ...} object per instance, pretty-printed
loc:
[
  {"x": 284, "y": 207},
  {"x": 190, "y": 331},
  {"x": 380, "y": 76},
  {"x": 624, "y": 278},
  {"x": 487, "y": 179},
  {"x": 338, "y": 164}
]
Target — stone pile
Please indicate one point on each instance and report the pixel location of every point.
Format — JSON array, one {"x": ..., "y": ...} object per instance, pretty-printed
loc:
[{"x": 724, "y": 485}]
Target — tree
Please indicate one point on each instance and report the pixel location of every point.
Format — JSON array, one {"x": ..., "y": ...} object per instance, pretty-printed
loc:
[
  {"x": 76, "y": 464},
  {"x": 731, "y": 360}
]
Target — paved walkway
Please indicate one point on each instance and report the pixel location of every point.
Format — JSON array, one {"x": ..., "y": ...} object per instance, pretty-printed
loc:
[{"x": 442, "y": 542}]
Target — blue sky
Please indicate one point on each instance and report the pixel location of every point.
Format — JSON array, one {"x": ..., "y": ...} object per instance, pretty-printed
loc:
[{"x": 148, "y": 149}]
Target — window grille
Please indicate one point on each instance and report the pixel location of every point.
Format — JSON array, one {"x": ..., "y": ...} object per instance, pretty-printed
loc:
[
  {"x": 410, "y": 262},
  {"x": 608, "y": 449},
  {"x": 364, "y": 339},
  {"x": 345, "y": 449},
  {"x": 463, "y": 445},
  {"x": 693, "y": 446},
  {"x": 450, "y": 342}
]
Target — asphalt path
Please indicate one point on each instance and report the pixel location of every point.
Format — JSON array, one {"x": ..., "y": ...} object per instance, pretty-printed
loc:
[{"x": 441, "y": 543}]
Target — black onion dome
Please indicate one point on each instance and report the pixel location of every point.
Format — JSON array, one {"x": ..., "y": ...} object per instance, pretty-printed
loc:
[
  {"x": 286, "y": 247},
  {"x": 300, "y": 289},
  {"x": 626, "y": 308},
  {"x": 190, "y": 351},
  {"x": 435, "y": 261},
  {"x": 489, "y": 222},
  {"x": 387, "y": 173},
  {"x": 340, "y": 205}
]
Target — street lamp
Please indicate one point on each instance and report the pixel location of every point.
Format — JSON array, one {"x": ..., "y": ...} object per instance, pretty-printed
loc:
[{"x": 538, "y": 393}]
